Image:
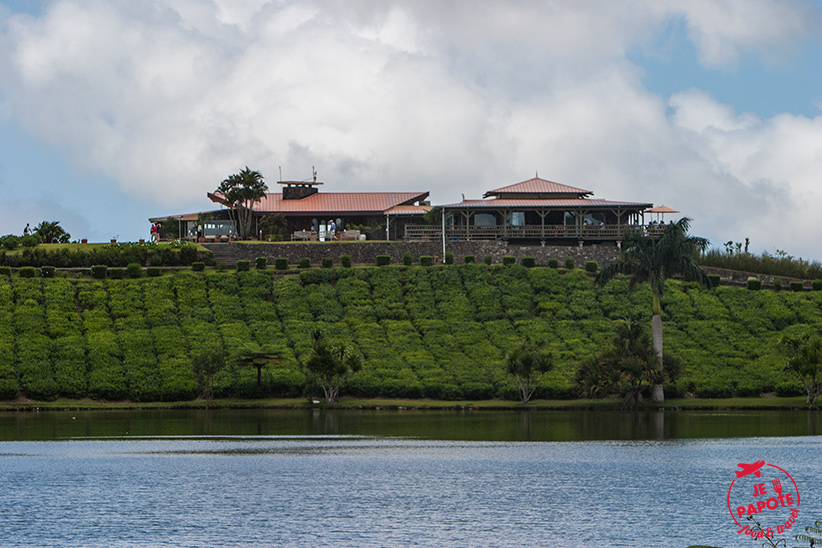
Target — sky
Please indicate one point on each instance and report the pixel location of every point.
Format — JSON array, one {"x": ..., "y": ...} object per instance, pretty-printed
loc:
[{"x": 114, "y": 111}]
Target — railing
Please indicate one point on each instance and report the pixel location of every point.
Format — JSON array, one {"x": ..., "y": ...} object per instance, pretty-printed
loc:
[{"x": 530, "y": 232}]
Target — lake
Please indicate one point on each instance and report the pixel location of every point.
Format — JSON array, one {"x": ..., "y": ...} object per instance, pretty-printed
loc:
[{"x": 253, "y": 478}]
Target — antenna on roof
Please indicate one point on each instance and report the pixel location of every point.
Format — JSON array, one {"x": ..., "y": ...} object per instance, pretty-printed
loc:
[
  {"x": 315, "y": 173},
  {"x": 537, "y": 174},
  {"x": 281, "y": 173}
]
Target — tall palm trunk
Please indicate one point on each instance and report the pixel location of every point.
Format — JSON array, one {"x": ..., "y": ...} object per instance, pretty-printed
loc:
[{"x": 657, "y": 392}]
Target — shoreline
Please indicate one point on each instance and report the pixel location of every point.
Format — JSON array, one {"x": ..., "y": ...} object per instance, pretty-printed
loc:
[{"x": 767, "y": 403}]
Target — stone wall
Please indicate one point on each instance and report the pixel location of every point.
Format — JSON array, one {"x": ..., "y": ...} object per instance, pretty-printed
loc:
[{"x": 366, "y": 252}]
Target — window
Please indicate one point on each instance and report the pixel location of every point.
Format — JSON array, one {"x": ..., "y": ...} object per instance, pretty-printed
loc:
[
  {"x": 484, "y": 219},
  {"x": 516, "y": 218}
]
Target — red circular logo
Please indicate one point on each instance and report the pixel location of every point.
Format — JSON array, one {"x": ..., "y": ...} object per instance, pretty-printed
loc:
[{"x": 763, "y": 499}]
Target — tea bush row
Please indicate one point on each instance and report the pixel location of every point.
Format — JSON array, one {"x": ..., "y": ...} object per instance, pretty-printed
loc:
[{"x": 423, "y": 332}]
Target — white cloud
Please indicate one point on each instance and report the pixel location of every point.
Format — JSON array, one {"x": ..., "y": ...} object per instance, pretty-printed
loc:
[
  {"x": 723, "y": 29},
  {"x": 168, "y": 97},
  {"x": 761, "y": 177}
]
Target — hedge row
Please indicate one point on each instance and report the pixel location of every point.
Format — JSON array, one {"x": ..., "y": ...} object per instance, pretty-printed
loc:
[{"x": 112, "y": 255}]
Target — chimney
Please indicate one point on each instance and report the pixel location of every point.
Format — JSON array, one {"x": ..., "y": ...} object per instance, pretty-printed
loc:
[{"x": 298, "y": 191}]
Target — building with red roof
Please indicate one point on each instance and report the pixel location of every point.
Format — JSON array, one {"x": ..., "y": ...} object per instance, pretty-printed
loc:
[
  {"x": 307, "y": 211},
  {"x": 535, "y": 210}
]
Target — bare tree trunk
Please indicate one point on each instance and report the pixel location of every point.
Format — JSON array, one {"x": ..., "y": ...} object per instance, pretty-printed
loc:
[{"x": 657, "y": 392}]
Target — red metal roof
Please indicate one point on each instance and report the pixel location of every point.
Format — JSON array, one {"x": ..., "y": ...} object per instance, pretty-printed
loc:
[
  {"x": 576, "y": 203},
  {"x": 538, "y": 186},
  {"x": 363, "y": 203},
  {"x": 408, "y": 210}
]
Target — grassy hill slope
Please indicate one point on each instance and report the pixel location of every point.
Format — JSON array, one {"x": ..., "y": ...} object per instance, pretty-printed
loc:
[{"x": 438, "y": 332}]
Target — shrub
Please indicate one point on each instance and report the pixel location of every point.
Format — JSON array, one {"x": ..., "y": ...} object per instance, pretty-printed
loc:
[
  {"x": 426, "y": 260},
  {"x": 754, "y": 284},
  {"x": 489, "y": 259},
  {"x": 449, "y": 257},
  {"x": 383, "y": 260},
  {"x": 777, "y": 284},
  {"x": 26, "y": 272},
  {"x": 134, "y": 270},
  {"x": 816, "y": 285},
  {"x": 345, "y": 260},
  {"x": 5, "y": 271},
  {"x": 569, "y": 263},
  {"x": 99, "y": 271},
  {"x": 407, "y": 258},
  {"x": 47, "y": 271},
  {"x": 116, "y": 273},
  {"x": 509, "y": 259},
  {"x": 328, "y": 262},
  {"x": 29, "y": 241},
  {"x": 281, "y": 263},
  {"x": 305, "y": 262},
  {"x": 591, "y": 266},
  {"x": 714, "y": 279},
  {"x": 243, "y": 265},
  {"x": 468, "y": 259},
  {"x": 795, "y": 286},
  {"x": 188, "y": 253},
  {"x": 10, "y": 241},
  {"x": 198, "y": 266},
  {"x": 553, "y": 263},
  {"x": 153, "y": 271},
  {"x": 529, "y": 262},
  {"x": 260, "y": 263},
  {"x": 318, "y": 276}
]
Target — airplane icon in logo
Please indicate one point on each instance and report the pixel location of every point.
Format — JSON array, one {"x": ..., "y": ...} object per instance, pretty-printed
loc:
[{"x": 750, "y": 469}]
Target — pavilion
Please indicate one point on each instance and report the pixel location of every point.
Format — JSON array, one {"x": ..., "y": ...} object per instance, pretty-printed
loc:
[{"x": 536, "y": 210}]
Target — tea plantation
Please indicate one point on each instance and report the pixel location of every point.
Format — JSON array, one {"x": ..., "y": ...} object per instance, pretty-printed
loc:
[{"x": 424, "y": 332}]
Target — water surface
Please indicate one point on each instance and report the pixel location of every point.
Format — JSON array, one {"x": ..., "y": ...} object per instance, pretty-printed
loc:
[{"x": 368, "y": 479}]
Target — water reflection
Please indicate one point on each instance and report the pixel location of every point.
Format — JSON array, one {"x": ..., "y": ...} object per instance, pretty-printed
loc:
[{"x": 521, "y": 425}]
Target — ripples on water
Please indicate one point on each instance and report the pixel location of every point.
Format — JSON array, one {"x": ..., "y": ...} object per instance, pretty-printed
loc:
[{"x": 355, "y": 491}]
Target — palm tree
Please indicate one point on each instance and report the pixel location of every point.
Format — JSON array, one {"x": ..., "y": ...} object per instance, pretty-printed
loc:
[
  {"x": 51, "y": 231},
  {"x": 331, "y": 364},
  {"x": 528, "y": 363},
  {"x": 654, "y": 259},
  {"x": 240, "y": 191},
  {"x": 627, "y": 368}
]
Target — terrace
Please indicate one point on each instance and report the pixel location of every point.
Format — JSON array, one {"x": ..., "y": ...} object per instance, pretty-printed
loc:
[
  {"x": 607, "y": 232},
  {"x": 536, "y": 210}
]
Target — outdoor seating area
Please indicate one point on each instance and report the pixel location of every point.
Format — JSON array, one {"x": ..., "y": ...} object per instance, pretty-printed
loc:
[
  {"x": 349, "y": 235},
  {"x": 311, "y": 236},
  {"x": 303, "y": 235}
]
